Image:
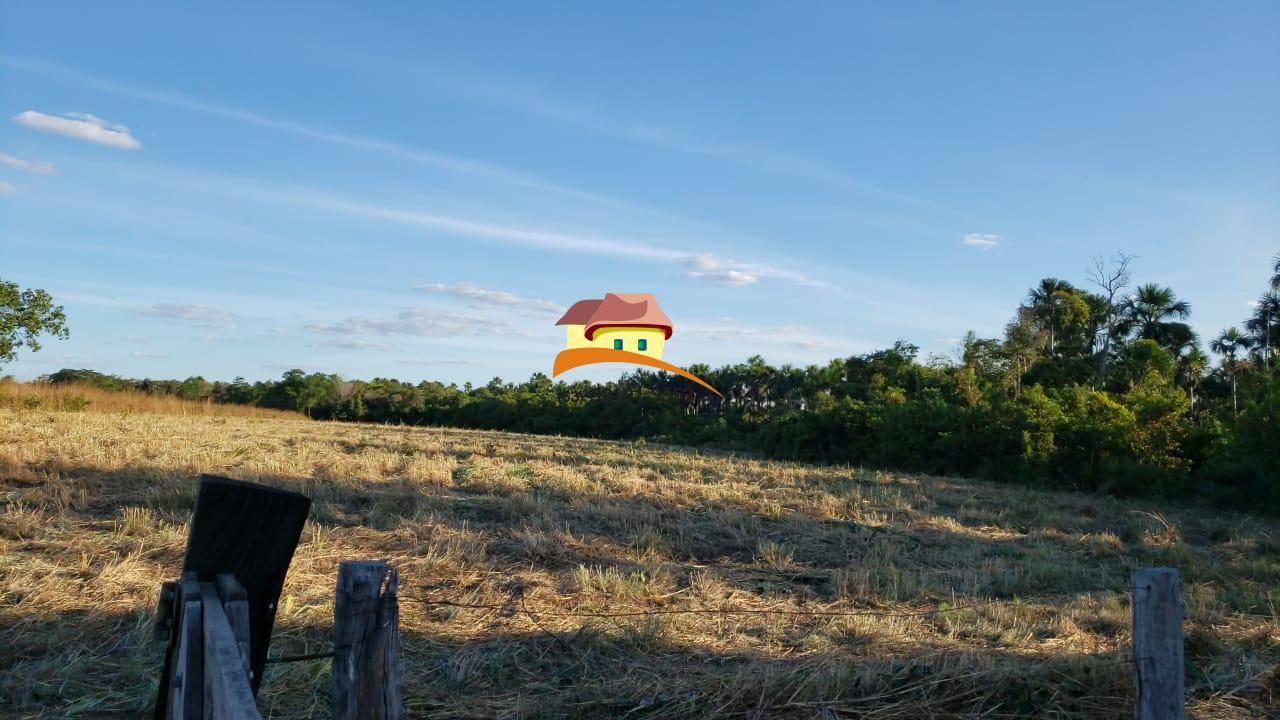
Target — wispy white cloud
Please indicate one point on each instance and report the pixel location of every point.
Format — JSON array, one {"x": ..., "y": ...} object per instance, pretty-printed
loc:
[
  {"x": 704, "y": 265},
  {"x": 798, "y": 337},
  {"x": 6, "y": 188},
  {"x": 417, "y": 322},
  {"x": 317, "y": 133},
  {"x": 195, "y": 314},
  {"x": 429, "y": 362},
  {"x": 502, "y": 298},
  {"x": 715, "y": 269},
  {"x": 757, "y": 157},
  {"x": 356, "y": 345},
  {"x": 549, "y": 240},
  {"x": 81, "y": 126},
  {"x": 985, "y": 241},
  {"x": 710, "y": 266},
  {"x": 34, "y": 166},
  {"x": 736, "y": 278}
]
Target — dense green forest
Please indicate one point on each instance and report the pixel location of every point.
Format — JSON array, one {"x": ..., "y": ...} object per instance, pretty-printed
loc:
[{"x": 1101, "y": 387}]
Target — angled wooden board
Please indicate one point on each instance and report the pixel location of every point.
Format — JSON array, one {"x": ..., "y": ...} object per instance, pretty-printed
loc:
[{"x": 249, "y": 531}]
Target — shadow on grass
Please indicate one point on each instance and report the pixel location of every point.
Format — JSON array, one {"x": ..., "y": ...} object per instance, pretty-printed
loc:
[
  {"x": 76, "y": 665},
  {"x": 103, "y": 664}
]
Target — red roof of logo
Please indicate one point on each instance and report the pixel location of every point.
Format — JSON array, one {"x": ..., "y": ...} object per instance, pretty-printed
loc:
[{"x": 618, "y": 310}]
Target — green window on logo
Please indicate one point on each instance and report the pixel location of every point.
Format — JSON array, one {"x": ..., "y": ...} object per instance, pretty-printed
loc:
[
  {"x": 617, "y": 344},
  {"x": 642, "y": 344}
]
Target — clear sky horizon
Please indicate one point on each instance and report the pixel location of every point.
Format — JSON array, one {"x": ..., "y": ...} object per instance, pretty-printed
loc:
[{"x": 416, "y": 190}]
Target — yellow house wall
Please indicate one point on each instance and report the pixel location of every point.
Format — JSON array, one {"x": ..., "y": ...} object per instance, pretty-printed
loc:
[
  {"x": 575, "y": 337},
  {"x": 605, "y": 337}
]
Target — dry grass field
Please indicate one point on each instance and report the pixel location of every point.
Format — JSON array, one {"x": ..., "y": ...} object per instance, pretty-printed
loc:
[{"x": 983, "y": 600}]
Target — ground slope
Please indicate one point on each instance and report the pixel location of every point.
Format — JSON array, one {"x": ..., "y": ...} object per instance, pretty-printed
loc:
[{"x": 1031, "y": 585}]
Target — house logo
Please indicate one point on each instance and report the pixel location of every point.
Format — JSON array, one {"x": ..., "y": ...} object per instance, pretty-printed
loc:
[{"x": 622, "y": 327}]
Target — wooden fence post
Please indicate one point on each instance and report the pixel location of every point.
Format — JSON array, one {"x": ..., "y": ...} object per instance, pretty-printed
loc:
[
  {"x": 366, "y": 642},
  {"x": 1157, "y": 645},
  {"x": 227, "y": 694}
]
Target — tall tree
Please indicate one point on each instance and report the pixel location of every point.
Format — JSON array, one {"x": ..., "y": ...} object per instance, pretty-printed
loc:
[
  {"x": 1228, "y": 344},
  {"x": 1275, "y": 279},
  {"x": 1191, "y": 367},
  {"x": 1152, "y": 313},
  {"x": 1111, "y": 280},
  {"x": 1262, "y": 327},
  {"x": 1048, "y": 304},
  {"x": 24, "y": 316}
]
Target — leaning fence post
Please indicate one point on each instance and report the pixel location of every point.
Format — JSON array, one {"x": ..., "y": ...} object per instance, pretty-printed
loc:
[
  {"x": 366, "y": 643},
  {"x": 1157, "y": 644}
]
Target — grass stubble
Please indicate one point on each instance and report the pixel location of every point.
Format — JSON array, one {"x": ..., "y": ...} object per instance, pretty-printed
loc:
[{"x": 96, "y": 505}]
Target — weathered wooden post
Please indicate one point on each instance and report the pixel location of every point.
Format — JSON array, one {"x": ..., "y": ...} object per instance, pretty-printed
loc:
[
  {"x": 366, "y": 642},
  {"x": 182, "y": 687},
  {"x": 1158, "y": 645},
  {"x": 227, "y": 695},
  {"x": 235, "y": 602}
]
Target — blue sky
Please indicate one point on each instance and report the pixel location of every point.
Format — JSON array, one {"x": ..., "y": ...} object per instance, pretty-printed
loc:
[{"x": 414, "y": 190}]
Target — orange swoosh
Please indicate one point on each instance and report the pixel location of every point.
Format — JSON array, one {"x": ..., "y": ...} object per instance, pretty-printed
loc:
[{"x": 577, "y": 357}]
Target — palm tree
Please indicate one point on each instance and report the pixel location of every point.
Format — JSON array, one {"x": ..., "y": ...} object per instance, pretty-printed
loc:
[
  {"x": 1227, "y": 344},
  {"x": 1275, "y": 279},
  {"x": 1191, "y": 367},
  {"x": 1262, "y": 326},
  {"x": 1046, "y": 304},
  {"x": 1151, "y": 312}
]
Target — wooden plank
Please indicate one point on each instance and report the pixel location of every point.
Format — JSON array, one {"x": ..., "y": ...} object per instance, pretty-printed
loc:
[
  {"x": 366, "y": 642},
  {"x": 227, "y": 694},
  {"x": 236, "y": 605},
  {"x": 1158, "y": 645},
  {"x": 248, "y": 531},
  {"x": 185, "y": 663}
]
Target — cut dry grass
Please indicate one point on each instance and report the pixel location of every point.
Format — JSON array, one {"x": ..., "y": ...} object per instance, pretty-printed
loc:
[
  {"x": 87, "y": 398},
  {"x": 96, "y": 506}
]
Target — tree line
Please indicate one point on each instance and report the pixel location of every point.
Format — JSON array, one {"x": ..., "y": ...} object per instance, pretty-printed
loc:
[{"x": 1099, "y": 387}]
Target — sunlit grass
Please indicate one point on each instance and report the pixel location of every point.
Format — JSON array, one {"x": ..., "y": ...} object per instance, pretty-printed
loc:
[{"x": 96, "y": 505}]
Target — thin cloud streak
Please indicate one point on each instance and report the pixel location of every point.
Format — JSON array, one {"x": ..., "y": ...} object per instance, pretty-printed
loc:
[
  {"x": 334, "y": 137},
  {"x": 778, "y": 337},
  {"x": 357, "y": 345},
  {"x": 416, "y": 322},
  {"x": 501, "y": 298},
  {"x": 603, "y": 245},
  {"x": 755, "y": 157},
  {"x": 427, "y": 362},
  {"x": 33, "y": 166},
  {"x": 195, "y": 314}
]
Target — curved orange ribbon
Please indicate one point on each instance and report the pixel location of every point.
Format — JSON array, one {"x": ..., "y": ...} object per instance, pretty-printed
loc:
[{"x": 577, "y": 357}]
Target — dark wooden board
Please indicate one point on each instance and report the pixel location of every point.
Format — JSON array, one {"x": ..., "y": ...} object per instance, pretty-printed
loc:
[{"x": 249, "y": 531}]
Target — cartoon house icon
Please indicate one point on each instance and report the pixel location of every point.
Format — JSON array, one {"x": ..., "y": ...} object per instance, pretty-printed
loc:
[{"x": 621, "y": 321}]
